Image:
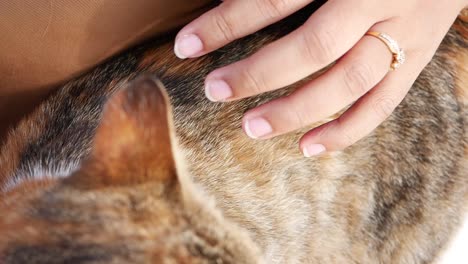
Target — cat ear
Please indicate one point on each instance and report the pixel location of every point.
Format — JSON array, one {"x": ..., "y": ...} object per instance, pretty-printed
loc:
[{"x": 134, "y": 141}]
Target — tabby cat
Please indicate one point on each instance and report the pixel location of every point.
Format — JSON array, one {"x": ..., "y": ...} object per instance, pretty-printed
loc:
[{"x": 111, "y": 170}]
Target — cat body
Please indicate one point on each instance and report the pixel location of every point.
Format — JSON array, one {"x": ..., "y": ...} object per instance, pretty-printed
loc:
[{"x": 84, "y": 183}]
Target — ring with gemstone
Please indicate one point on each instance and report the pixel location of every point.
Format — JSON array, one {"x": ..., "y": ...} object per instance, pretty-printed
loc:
[{"x": 399, "y": 56}]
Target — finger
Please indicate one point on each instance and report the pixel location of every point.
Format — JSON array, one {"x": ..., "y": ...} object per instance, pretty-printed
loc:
[
  {"x": 229, "y": 21},
  {"x": 363, "y": 117},
  {"x": 363, "y": 67},
  {"x": 330, "y": 32}
]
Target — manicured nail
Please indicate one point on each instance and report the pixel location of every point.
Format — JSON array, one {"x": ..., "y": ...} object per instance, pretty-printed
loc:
[
  {"x": 217, "y": 90},
  {"x": 257, "y": 127},
  {"x": 188, "y": 46},
  {"x": 313, "y": 150}
]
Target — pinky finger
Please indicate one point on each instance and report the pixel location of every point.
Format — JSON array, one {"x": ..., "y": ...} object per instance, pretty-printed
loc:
[{"x": 362, "y": 118}]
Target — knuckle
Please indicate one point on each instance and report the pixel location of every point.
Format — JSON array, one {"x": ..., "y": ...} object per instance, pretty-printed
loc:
[
  {"x": 346, "y": 138},
  {"x": 358, "y": 79},
  {"x": 225, "y": 26},
  {"x": 318, "y": 46},
  {"x": 253, "y": 82},
  {"x": 298, "y": 111},
  {"x": 384, "y": 107},
  {"x": 273, "y": 8},
  {"x": 300, "y": 118}
]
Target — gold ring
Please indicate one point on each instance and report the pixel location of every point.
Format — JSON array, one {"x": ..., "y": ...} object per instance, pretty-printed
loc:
[{"x": 399, "y": 56}]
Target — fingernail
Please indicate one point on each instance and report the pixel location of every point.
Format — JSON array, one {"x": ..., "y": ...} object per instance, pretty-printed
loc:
[
  {"x": 313, "y": 150},
  {"x": 188, "y": 46},
  {"x": 217, "y": 90},
  {"x": 257, "y": 127}
]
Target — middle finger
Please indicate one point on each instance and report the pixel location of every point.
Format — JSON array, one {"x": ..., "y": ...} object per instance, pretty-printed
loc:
[
  {"x": 354, "y": 75},
  {"x": 328, "y": 34}
]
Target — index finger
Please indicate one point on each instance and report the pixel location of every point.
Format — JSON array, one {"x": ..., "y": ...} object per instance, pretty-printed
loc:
[{"x": 229, "y": 21}]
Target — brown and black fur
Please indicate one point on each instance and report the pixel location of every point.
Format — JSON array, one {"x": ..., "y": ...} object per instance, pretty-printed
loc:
[{"x": 124, "y": 185}]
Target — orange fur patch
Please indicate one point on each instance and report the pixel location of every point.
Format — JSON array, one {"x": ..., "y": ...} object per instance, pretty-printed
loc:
[
  {"x": 16, "y": 142},
  {"x": 164, "y": 58},
  {"x": 461, "y": 88},
  {"x": 138, "y": 121}
]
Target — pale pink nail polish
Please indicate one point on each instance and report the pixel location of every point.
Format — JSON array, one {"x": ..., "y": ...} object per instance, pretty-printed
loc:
[
  {"x": 313, "y": 150},
  {"x": 187, "y": 46},
  {"x": 217, "y": 90},
  {"x": 257, "y": 127}
]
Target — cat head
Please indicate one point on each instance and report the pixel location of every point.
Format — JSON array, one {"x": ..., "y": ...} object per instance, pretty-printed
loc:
[{"x": 131, "y": 201}]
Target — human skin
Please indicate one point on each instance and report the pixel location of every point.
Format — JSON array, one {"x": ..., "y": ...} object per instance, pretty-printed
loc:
[{"x": 335, "y": 33}]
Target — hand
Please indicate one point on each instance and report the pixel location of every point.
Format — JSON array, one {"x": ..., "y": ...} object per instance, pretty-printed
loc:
[{"x": 336, "y": 32}]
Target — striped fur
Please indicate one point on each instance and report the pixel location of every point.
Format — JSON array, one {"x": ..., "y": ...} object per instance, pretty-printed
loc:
[{"x": 396, "y": 196}]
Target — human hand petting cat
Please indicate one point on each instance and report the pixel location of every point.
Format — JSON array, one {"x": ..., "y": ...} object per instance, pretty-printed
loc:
[{"x": 336, "y": 32}]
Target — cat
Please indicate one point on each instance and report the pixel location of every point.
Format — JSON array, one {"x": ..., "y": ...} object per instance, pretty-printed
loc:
[{"x": 130, "y": 163}]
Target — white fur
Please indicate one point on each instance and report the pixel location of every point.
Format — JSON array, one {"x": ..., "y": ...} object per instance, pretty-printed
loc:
[{"x": 37, "y": 172}]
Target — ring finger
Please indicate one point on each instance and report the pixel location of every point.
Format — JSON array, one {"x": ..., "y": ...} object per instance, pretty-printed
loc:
[{"x": 362, "y": 68}]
